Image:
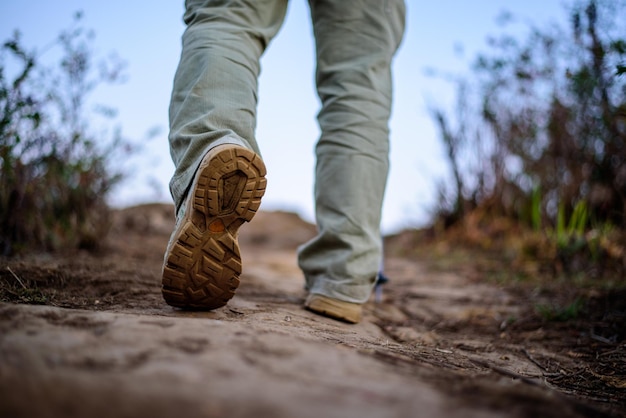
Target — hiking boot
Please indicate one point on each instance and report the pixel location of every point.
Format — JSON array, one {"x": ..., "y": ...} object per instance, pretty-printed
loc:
[
  {"x": 334, "y": 308},
  {"x": 202, "y": 262}
]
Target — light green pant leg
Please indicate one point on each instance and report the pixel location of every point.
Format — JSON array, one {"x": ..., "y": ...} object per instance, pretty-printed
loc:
[
  {"x": 356, "y": 41},
  {"x": 214, "y": 97}
]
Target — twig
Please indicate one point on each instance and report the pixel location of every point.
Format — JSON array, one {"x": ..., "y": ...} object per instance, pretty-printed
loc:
[
  {"x": 17, "y": 278},
  {"x": 12, "y": 293},
  {"x": 608, "y": 353},
  {"x": 505, "y": 372},
  {"x": 532, "y": 359},
  {"x": 600, "y": 338}
]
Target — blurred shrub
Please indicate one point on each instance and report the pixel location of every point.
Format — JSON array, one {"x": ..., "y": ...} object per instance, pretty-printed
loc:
[
  {"x": 539, "y": 134},
  {"x": 54, "y": 172}
]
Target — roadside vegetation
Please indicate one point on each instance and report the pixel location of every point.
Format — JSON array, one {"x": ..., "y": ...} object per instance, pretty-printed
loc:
[
  {"x": 537, "y": 150},
  {"x": 55, "y": 163}
]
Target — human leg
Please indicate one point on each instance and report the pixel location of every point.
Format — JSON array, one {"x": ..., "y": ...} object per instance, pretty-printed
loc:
[
  {"x": 355, "y": 44},
  {"x": 214, "y": 96},
  {"x": 219, "y": 178}
]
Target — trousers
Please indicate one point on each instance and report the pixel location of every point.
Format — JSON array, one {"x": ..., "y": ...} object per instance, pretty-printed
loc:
[{"x": 214, "y": 100}]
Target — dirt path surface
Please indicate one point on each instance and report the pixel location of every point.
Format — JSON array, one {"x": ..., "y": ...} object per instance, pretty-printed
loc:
[{"x": 103, "y": 343}]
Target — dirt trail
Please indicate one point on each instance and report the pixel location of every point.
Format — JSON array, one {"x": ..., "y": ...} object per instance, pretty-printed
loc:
[{"x": 105, "y": 344}]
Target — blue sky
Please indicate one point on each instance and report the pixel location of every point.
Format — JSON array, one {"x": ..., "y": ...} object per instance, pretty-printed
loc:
[{"x": 148, "y": 38}]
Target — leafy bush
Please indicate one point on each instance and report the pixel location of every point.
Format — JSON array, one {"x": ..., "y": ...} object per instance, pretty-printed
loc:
[{"x": 54, "y": 172}]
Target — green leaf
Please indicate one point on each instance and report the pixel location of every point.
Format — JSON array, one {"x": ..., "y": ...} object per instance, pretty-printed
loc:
[{"x": 619, "y": 46}]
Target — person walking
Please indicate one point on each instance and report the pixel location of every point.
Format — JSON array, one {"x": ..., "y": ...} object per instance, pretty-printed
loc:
[{"x": 219, "y": 176}]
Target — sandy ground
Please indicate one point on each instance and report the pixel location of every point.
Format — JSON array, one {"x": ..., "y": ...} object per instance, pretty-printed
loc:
[{"x": 89, "y": 336}]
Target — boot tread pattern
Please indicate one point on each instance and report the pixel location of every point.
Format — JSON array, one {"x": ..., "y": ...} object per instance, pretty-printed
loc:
[{"x": 204, "y": 263}]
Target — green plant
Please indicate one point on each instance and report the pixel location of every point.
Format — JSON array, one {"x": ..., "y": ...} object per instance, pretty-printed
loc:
[
  {"x": 55, "y": 173},
  {"x": 561, "y": 313},
  {"x": 572, "y": 231},
  {"x": 547, "y": 110}
]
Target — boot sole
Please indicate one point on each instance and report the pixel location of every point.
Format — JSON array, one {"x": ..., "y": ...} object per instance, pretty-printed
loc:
[{"x": 203, "y": 261}]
